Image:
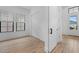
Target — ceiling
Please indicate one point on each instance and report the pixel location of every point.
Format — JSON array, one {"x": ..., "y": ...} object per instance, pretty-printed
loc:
[{"x": 32, "y": 9}]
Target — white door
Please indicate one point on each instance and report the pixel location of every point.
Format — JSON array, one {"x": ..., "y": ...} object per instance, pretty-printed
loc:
[{"x": 53, "y": 27}]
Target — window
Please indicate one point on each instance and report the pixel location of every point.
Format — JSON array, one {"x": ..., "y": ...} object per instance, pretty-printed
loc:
[
  {"x": 73, "y": 22},
  {"x": 20, "y": 24},
  {"x": 73, "y": 10},
  {"x": 6, "y": 22},
  {"x": 6, "y": 26}
]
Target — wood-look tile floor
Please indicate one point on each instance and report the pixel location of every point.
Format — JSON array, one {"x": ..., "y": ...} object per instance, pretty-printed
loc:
[
  {"x": 22, "y": 45},
  {"x": 70, "y": 44}
]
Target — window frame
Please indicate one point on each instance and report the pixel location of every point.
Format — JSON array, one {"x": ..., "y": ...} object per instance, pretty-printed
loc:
[
  {"x": 76, "y": 23},
  {"x": 73, "y": 9},
  {"x": 7, "y": 26},
  {"x": 19, "y": 17},
  {"x": 20, "y": 26}
]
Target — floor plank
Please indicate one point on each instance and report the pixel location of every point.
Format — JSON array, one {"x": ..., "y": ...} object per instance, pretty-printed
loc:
[
  {"x": 70, "y": 44},
  {"x": 22, "y": 45}
]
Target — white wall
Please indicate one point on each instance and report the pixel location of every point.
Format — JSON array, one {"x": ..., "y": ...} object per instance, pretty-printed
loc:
[
  {"x": 40, "y": 24},
  {"x": 65, "y": 22},
  {"x": 14, "y": 10}
]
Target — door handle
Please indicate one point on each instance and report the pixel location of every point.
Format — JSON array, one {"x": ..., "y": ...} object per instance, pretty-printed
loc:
[{"x": 50, "y": 30}]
